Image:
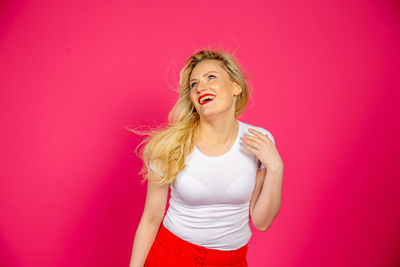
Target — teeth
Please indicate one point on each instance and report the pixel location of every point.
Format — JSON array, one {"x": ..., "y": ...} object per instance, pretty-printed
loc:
[{"x": 206, "y": 98}]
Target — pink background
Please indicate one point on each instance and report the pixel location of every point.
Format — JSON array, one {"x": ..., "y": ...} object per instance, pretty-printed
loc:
[{"x": 73, "y": 74}]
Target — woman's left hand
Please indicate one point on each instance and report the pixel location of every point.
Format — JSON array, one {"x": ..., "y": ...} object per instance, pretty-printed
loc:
[{"x": 264, "y": 149}]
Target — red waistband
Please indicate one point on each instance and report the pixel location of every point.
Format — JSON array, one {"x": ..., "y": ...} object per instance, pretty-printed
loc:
[{"x": 198, "y": 253}]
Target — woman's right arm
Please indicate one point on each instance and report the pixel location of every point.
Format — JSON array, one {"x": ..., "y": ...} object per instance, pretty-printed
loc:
[{"x": 153, "y": 214}]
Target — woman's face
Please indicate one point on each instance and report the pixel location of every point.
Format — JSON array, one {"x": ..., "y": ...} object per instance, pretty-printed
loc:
[{"x": 208, "y": 77}]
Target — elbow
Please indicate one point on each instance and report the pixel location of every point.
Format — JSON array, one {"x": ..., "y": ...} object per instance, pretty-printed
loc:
[
  {"x": 152, "y": 220},
  {"x": 265, "y": 228},
  {"x": 259, "y": 226}
]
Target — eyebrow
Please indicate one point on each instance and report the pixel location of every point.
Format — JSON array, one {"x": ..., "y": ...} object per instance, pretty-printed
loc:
[{"x": 205, "y": 74}]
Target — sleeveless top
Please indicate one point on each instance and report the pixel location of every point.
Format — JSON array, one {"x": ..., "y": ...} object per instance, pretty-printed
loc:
[{"x": 210, "y": 198}]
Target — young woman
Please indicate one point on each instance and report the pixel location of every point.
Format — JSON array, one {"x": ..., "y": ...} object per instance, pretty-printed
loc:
[{"x": 220, "y": 170}]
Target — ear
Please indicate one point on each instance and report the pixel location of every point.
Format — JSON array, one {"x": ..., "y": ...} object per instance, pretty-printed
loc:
[{"x": 237, "y": 89}]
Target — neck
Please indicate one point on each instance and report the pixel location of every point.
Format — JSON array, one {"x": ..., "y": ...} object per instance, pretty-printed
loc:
[{"x": 217, "y": 132}]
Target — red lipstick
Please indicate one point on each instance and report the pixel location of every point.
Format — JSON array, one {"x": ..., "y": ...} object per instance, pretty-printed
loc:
[{"x": 203, "y": 95}]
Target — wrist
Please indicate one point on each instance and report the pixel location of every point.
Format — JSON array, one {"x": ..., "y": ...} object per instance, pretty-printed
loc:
[{"x": 277, "y": 167}]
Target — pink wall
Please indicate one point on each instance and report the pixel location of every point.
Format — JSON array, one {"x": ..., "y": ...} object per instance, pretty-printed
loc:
[{"x": 73, "y": 74}]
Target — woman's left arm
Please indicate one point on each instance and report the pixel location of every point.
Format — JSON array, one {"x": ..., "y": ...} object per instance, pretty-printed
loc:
[{"x": 268, "y": 203}]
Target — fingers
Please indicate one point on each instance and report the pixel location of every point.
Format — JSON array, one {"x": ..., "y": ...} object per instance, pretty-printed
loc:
[
  {"x": 252, "y": 146},
  {"x": 251, "y": 149},
  {"x": 252, "y": 140},
  {"x": 259, "y": 134}
]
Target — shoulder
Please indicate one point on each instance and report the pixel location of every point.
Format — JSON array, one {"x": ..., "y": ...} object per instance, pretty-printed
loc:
[{"x": 264, "y": 131}]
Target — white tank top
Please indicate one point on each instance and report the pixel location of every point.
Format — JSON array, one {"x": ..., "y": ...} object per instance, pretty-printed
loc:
[{"x": 210, "y": 198}]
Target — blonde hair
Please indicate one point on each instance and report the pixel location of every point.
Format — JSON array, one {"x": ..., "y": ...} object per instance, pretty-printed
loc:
[{"x": 168, "y": 147}]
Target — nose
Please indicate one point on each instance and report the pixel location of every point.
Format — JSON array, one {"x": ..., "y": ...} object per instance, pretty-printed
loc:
[{"x": 200, "y": 88}]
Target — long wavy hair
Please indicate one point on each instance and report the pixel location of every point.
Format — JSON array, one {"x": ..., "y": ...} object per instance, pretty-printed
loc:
[{"x": 167, "y": 147}]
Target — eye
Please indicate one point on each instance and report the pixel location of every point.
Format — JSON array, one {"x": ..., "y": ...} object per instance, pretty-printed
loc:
[{"x": 191, "y": 85}]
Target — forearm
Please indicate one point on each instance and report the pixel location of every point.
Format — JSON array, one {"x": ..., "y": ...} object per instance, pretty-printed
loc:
[
  {"x": 144, "y": 239},
  {"x": 268, "y": 202}
]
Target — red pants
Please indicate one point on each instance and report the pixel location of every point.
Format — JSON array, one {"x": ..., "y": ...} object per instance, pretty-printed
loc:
[{"x": 169, "y": 250}]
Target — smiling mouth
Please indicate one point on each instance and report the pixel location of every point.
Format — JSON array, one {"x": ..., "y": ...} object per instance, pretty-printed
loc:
[
  {"x": 207, "y": 101},
  {"x": 205, "y": 98}
]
